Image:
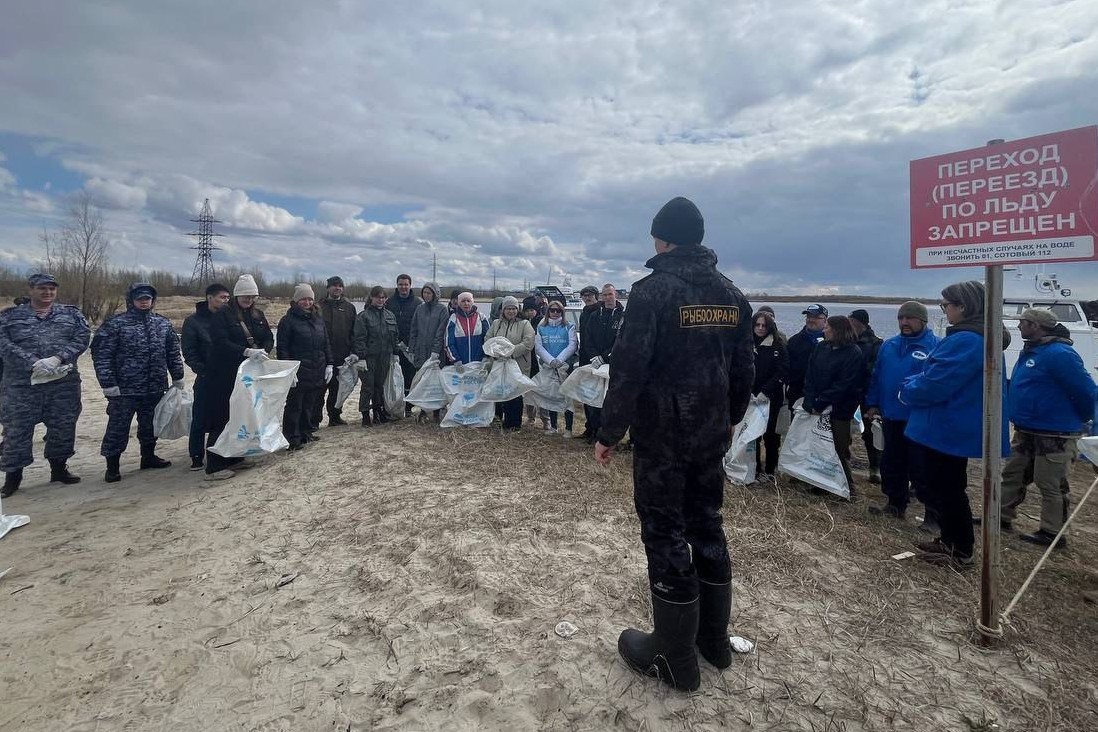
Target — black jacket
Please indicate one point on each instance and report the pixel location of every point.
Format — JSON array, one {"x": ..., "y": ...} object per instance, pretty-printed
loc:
[
  {"x": 226, "y": 351},
  {"x": 771, "y": 367},
  {"x": 599, "y": 329},
  {"x": 403, "y": 309},
  {"x": 683, "y": 362},
  {"x": 196, "y": 337},
  {"x": 339, "y": 318},
  {"x": 800, "y": 347},
  {"x": 836, "y": 379},
  {"x": 303, "y": 337}
]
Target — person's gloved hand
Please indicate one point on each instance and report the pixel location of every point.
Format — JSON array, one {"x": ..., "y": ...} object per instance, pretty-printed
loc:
[
  {"x": 597, "y": 361},
  {"x": 555, "y": 363},
  {"x": 460, "y": 367},
  {"x": 872, "y": 413},
  {"x": 362, "y": 366},
  {"x": 256, "y": 354},
  {"x": 47, "y": 364},
  {"x": 563, "y": 368},
  {"x": 434, "y": 355},
  {"x": 352, "y": 359},
  {"x": 111, "y": 392},
  {"x": 178, "y": 384},
  {"x": 328, "y": 370}
]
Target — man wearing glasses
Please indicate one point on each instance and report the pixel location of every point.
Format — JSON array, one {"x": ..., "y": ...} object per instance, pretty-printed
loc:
[{"x": 684, "y": 364}]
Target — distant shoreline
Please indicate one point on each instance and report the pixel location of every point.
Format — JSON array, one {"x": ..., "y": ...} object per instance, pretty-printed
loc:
[{"x": 855, "y": 299}]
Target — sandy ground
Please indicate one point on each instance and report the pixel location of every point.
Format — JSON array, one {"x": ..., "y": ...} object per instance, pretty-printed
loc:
[{"x": 411, "y": 578}]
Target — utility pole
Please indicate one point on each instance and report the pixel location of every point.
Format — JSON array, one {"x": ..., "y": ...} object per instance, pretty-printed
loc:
[
  {"x": 434, "y": 267},
  {"x": 203, "y": 272}
]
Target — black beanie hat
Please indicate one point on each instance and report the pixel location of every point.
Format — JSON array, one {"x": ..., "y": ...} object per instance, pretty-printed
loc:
[
  {"x": 862, "y": 316},
  {"x": 529, "y": 303},
  {"x": 679, "y": 222}
]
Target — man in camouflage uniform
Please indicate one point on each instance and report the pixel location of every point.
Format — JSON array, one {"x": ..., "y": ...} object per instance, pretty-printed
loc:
[
  {"x": 681, "y": 379},
  {"x": 40, "y": 339},
  {"x": 132, "y": 352}
]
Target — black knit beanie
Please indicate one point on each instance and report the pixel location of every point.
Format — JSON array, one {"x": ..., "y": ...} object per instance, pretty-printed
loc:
[{"x": 679, "y": 222}]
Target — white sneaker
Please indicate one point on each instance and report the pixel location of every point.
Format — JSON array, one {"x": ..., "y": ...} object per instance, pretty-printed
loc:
[
  {"x": 566, "y": 434},
  {"x": 550, "y": 430},
  {"x": 220, "y": 475}
]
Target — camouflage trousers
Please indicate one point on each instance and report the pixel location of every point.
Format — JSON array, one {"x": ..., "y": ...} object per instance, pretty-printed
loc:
[
  {"x": 120, "y": 412},
  {"x": 679, "y": 506},
  {"x": 56, "y": 405}
]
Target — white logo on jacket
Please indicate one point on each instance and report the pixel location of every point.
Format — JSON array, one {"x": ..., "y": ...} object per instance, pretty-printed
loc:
[
  {"x": 1031, "y": 363},
  {"x": 919, "y": 355}
]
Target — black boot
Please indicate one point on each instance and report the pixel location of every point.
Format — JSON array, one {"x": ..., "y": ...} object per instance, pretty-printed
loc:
[
  {"x": 114, "y": 473},
  {"x": 367, "y": 421},
  {"x": 715, "y": 607},
  {"x": 335, "y": 420},
  {"x": 59, "y": 473},
  {"x": 381, "y": 416},
  {"x": 667, "y": 653},
  {"x": 149, "y": 460},
  {"x": 12, "y": 482}
]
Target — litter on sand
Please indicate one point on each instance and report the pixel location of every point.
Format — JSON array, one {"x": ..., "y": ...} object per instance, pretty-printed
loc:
[
  {"x": 565, "y": 629},
  {"x": 903, "y": 555},
  {"x": 741, "y": 645}
]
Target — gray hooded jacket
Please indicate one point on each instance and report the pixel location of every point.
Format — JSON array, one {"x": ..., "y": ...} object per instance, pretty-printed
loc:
[{"x": 428, "y": 327}]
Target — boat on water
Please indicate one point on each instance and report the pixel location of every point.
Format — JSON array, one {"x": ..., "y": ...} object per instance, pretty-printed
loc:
[{"x": 1042, "y": 290}]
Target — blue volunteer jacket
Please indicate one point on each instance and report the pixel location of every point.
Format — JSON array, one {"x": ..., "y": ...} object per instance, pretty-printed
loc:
[
  {"x": 947, "y": 398},
  {"x": 1050, "y": 389},
  {"x": 898, "y": 358}
]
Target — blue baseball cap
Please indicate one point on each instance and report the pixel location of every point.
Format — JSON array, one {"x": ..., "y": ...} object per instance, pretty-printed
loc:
[
  {"x": 815, "y": 310},
  {"x": 41, "y": 278}
]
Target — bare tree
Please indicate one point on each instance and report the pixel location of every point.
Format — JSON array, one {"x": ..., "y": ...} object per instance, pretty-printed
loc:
[{"x": 77, "y": 253}]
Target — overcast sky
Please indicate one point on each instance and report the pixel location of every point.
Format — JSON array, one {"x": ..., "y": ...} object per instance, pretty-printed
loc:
[{"x": 362, "y": 138}]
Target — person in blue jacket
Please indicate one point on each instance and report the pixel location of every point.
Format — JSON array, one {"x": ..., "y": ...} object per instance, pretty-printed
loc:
[
  {"x": 1052, "y": 399},
  {"x": 465, "y": 331},
  {"x": 947, "y": 417},
  {"x": 555, "y": 344},
  {"x": 901, "y": 356}
]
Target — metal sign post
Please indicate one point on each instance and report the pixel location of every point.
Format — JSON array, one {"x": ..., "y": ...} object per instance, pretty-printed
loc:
[{"x": 993, "y": 451}]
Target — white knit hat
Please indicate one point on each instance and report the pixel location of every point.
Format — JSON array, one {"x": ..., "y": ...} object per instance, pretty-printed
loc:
[
  {"x": 304, "y": 290},
  {"x": 245, "y": 286}
]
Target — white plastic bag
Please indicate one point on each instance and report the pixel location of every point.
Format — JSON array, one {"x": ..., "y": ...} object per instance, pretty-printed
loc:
[
  {"x": 857, "y": 426},
  {"x": 739, "y": 461},
  {"x": 505, "y": 382},
  {"x": 394, "y": 390},
  {"x": 587, "y": 385},
  {"x": 499, "y": 347},
  {"x": 255, "y": 408},
  {"x": 347, "y": 378},
  {"x": 546, "y": 392},
  {"x": 172, "y": 416},
  {"x": 808, "y": 452},
  {"x": 463, "y": 379},
  {"x": 468, "y": 413},
  {"x": 427, "y": 392},
  {"x": 9, "y": 522},
  {"x": 878, "y": 434}
]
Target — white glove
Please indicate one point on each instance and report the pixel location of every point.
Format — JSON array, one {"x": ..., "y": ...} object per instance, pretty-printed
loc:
[
  {"x": 433, "y": 355},
  {"x": 361, "y": 366},
  {"x": 563, "y": 368},
  {"x": 350, "y": 360},
  {"x": 112, "y": 391},
  {"x": 178, "y": 384},
  {"x": 328, "y": 373},
  {"x": 47, "y": 364},
  {"x": 555, "y": 363},
  {"x": 460, "y": 367},
  {"x": 596, "y": 362},
  {"x": 256, "y": 354}
]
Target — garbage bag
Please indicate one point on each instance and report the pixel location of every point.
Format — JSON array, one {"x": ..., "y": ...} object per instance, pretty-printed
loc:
[
  {"x": 878, "y": 434},
  {"x": 505, "y": 382},
  {"x": 808, "y": 452},
  {"x": 393, "y": 391},
  {"x": 466, "y": 412},
  {"x": 172, "y": 416},
  {"x": 857, "y": 425},
  {"x": 739, "y": 461},
  {"x": 427, "y": 392},
  {"x": 11, "y": 521},
  {"x": 347, "y": 378},
  {"x": 546, "y": 392},
  {"x": 499, "y": 347},
  {"x": 255, "y": 408},
  {"x": 464, "y": 379},
  {"x": 587, "y": 385}
]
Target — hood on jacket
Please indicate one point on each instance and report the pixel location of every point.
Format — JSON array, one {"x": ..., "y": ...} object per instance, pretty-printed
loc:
[
  {"x": 435, "y": 289},
  {"x": 1057, "y": 334},
  {"x": 694, "y": 264},
  {"x": 134, "y": 288},
  {"x": 202, "y": 308}
]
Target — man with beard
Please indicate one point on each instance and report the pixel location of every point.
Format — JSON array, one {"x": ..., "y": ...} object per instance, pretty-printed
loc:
[
  {"x": 339, "y": 319},
  {"x": 682, "y": 377}
]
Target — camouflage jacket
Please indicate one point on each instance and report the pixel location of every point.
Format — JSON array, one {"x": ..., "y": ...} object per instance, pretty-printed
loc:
[
  {"x": 25, "y": 338},
  {"x": 136, "y": 351}
]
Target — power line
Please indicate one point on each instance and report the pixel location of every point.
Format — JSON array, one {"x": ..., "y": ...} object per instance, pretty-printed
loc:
[{"x": 203, "y": 272}]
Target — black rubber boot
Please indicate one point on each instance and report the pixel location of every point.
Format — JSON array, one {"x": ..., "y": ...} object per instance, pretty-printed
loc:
[
  {"x": 335, "y": 420},
  {"x": 381, "y": 416},
  {"x": 149, "y": 460},
  {"x": 114, "y": 473},
  {"x": 667, "y": 653},
  {"x": 12, "y": 481},
  {"x": 59, "y": 473},
  {"x": 367, "y": 421},
  {"x": 715, "y": 606}
]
